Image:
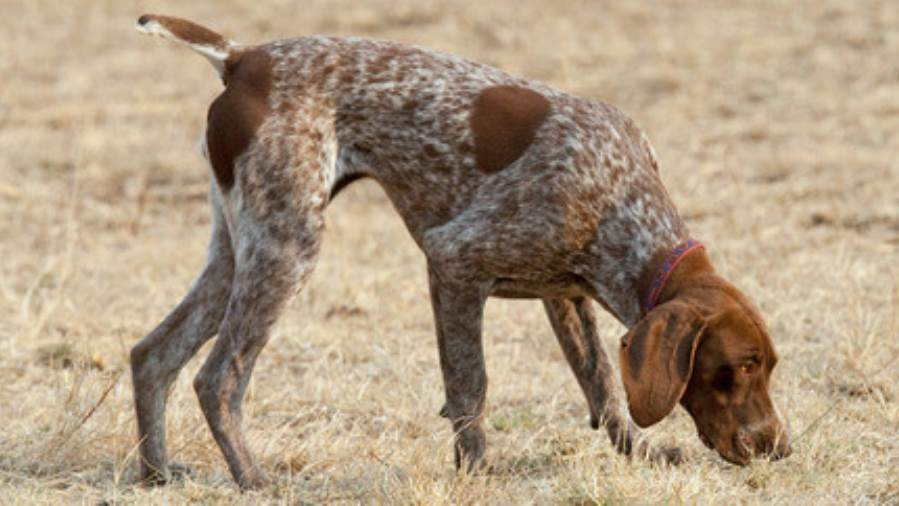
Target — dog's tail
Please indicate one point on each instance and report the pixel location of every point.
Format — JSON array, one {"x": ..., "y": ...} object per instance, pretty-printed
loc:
[{"x": 213, "y": 46}]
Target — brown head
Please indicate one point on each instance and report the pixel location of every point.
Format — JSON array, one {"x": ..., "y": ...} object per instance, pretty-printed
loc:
[{"x": 705, "y": 345}]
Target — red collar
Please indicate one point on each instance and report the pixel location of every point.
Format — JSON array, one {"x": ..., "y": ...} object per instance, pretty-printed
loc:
[{"x": 661, "y": 276}]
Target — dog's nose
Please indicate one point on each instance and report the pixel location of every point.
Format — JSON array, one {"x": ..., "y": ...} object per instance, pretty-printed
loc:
[
  {"x": 778, "y": 447},
  {"x": 782, "y": 449},
  {"x": 773, "y": 443}
]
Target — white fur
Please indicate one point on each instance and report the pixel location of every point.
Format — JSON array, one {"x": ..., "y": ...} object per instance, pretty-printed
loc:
[{"x": 215, "y": 56}]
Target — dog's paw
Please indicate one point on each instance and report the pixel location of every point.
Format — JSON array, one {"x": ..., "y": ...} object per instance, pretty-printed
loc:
[
  {"x": 156, "y": 478},
  {"x": 180, "y": 471},
  {"x": 671, "y": 456},
  {"x": 173, "y": 472},
  {"x": 254, "y": 481}
]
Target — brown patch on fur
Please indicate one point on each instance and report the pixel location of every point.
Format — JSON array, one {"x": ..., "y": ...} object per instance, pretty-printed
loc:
[
  {"x": 737, "y": 337},
  {"x": 238, "y": 112},
  {"x": 635, "y": 356},
  {"x": 683, "y": 357},
  {"x": 656, "y": 358},
  {"x": 191, "y": 33},
  {"x": 695, "y": 345},
  {"x": 504, "y": 120}
]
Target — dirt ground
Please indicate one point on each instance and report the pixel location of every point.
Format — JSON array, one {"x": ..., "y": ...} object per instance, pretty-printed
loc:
[{"x": 777, "y": 126}]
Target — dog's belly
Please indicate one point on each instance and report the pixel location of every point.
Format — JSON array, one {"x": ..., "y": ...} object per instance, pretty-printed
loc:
[{"x": 565, "y": 286}]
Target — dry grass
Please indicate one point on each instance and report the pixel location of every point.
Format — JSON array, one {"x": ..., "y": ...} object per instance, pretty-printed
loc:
[{"x": 778, "y": 128}]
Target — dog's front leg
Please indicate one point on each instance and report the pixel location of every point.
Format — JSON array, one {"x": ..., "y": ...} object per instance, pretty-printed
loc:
[
  {"x": 458, "y": 312},
  {"x": 574, "y": 323}
]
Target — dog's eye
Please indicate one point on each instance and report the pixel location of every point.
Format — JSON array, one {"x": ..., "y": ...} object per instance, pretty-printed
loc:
[{"x": 747, "y": 368}]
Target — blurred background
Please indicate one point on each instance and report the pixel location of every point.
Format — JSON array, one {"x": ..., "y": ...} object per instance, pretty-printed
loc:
[{"x": 777, "y": 127}]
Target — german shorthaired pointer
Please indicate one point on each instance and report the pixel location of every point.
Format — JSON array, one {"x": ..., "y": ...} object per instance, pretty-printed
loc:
[{"x": 509, "y": 187}]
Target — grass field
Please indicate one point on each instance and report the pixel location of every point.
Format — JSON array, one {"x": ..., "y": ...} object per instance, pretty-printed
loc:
[{"x": 777, "y": 126}]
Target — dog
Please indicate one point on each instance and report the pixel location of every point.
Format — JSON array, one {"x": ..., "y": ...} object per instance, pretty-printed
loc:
[{"x": 509, "y": 187}]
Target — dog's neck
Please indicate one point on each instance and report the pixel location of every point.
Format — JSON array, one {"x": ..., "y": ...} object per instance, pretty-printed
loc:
[
  {"x": 634, "y": 240},
  {"x": 693, "y": 265}
]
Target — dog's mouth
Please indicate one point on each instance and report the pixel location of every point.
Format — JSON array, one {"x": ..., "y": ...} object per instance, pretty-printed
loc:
[
  {"x": 737, "y": 454},
  {"x": 734, "y": 457}
]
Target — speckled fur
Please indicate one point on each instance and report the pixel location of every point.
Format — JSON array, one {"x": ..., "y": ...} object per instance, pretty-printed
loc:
[{"x": 577, "y": 216}]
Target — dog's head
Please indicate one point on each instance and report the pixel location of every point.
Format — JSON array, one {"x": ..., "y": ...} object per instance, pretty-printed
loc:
[{"x": 707, "y": 348}]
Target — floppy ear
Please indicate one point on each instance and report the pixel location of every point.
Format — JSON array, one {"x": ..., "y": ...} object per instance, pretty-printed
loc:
[{"x": 657, "y": 359}]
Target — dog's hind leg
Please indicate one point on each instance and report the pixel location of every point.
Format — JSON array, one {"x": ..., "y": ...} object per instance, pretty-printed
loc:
[
  {"x": 574, "y": 323},
  {"x": 274, "y": 257},
  {"x": 158, "y": 357}
]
